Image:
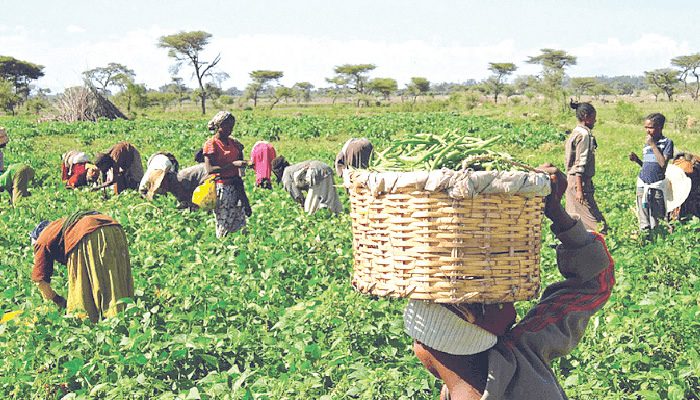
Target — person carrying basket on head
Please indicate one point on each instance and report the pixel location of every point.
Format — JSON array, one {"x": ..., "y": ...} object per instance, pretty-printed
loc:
[{"x": 477, "y": 351}]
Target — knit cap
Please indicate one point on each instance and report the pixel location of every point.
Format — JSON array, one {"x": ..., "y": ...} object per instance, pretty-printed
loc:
[{"x": 439, "y": 328}]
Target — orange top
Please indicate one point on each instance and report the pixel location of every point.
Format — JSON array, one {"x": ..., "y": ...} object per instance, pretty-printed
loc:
[{"x": 221, "y": 153}]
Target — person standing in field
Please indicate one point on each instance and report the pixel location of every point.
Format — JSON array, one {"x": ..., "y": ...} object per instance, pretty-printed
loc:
[
  {"x": 223, "y": 157},
  {"x": 4, "y": 139},
  {"x": 120, "y": 167},
  {"x": 74, "y": 169},
  {"x": 312, "y": 175},
  {"x": 355, "y": 153},
  {"x": 15, "y": 180},
  {"x": 261, "y": 157},
  {"x": 477, "y": 351},
  {"x": 94, "y": 248},
  {"x": 580, "y": 168},
  {"x": 651, "y": 183}
]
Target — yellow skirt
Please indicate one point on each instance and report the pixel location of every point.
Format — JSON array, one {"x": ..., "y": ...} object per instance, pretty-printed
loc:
[{"x": 99, "y": 274}]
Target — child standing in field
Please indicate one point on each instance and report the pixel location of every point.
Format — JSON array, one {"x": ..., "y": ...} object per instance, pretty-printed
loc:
[
  {"x": 651, "y": 183},
  {"x": 580, "y": 169}
]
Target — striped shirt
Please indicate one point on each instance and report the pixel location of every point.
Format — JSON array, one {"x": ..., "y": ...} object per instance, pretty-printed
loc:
[{"x": 651, "y": 170}]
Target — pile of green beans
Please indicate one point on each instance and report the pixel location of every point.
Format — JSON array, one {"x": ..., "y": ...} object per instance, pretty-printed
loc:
[{"x": 430, "y": 151}]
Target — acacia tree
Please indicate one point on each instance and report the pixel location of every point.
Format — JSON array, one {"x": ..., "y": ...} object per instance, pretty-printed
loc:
[
  {"x": 303, "y": 91},
  {"x": 417, "y": 87},
  {"x": 279, "y": 93},
  {"x": 178, "y": 88},
  {"x": 185, "y": 47},
  {"x": 19, "y": 74},
  {"x": 495, "y": 84},
  {"x": 339, "y": 87},
  {"x": 8, "y": 98},
  {"x": 114, "y": 74},
  {"x": 261, "y": 81},
  {"x": 553, "y": 63},
  {"x": 665, "y": 79},
  {"x": 385, "y": 86},
  {"x": 581, "y": 86},
  {"x": 689, "y": 65},
  {"x": 355, "y": 78}
]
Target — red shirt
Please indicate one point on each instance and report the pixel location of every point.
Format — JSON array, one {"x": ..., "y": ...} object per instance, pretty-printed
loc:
[
  {"x": 78, "y": 177},
  {"x": 221, "y": 153}
]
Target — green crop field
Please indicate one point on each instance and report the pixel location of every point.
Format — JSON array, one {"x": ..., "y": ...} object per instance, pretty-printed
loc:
[{"x": 272, "y": 315}]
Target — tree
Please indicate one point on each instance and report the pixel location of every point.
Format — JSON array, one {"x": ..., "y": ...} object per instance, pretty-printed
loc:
[
  {"x": 601, "y": 89},
  {"x": 689, "y": 65},
  {"x": 19, "y": 74},
  {"x": 177, "y": 88},
  {"x": 303, "y": 91},
  {"x": 133, "y": 93},
  {"x": 279, "y": 93},
  {"x": 666, "y": 79},
  {"x": 553, "y": 63},
  {"x": 114, "y": 74},
  {"x": 417, "y": 87},
  {"x": 339, "y": 87},
  {"x": 185, "y": 47},
  {"x": 261, "y": 81},
  {"x": 581, "y": 86},
  {"x": 8, "y": 98},
  {"x": 354, "y": 76},
  {"x": 496, "y": 83},
  {"x": 385, "y": 86}
]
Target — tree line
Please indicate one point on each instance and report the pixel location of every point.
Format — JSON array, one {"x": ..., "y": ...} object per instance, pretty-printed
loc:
[{"x": 350, "y": 81}]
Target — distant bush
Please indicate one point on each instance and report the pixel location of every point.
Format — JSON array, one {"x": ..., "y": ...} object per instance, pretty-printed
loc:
[{"x": 628, "y": 113}]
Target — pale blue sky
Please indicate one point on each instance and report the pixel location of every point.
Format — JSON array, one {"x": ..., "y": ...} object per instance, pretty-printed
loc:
[{"x": 441, "y": 40}]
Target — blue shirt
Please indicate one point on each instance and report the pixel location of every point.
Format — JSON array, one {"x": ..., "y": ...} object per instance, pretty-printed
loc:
[{"x": 651, "y": 170}]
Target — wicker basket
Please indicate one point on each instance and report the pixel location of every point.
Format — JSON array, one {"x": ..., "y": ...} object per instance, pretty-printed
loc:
[{"x": 426, "y": 245}]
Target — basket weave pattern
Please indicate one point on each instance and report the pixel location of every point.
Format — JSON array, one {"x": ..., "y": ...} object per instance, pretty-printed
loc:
[{"x": 426, "y": 245}]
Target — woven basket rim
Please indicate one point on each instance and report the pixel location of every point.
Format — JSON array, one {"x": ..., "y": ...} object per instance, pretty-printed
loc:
[{"x": 539, "y": 184}]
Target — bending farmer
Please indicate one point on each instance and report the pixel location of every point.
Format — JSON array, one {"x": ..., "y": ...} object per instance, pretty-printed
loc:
[{"x": 93, "y": 246}]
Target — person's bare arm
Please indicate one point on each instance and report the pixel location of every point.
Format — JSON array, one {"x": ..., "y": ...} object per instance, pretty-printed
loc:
[
  {"x": 217, "y": 169},
  {"x": 660, "y": 159},
  {"x": 635, "y": 158}
]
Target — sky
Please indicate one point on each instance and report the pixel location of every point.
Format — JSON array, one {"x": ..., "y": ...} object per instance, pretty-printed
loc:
[{"x": 442, "y": 40}]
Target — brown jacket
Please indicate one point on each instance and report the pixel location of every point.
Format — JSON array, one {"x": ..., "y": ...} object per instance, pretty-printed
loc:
[
  {"x": 580, "y": 152},
  {"x": 53, "y": 246}
]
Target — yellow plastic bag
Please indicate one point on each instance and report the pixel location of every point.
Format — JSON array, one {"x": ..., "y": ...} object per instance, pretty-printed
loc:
[{"x": 205, "y": 195}]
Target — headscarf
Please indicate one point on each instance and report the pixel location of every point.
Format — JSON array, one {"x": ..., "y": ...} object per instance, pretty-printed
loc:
[
  {"x": 34, "y": 234},
  {"x": 218, "y": 119}
]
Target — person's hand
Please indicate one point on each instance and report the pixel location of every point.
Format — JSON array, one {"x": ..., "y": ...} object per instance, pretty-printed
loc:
[
  {"x": 558, "y": 181},
  {"x": 553, "y": 209},
  {"x": 579, "y": 195},
  {"x": 650, "y": 140},
  {"x": 60, "y": 301},
  {"x": 634, "y": 157},
  {"x": 240, "y": 163}
]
